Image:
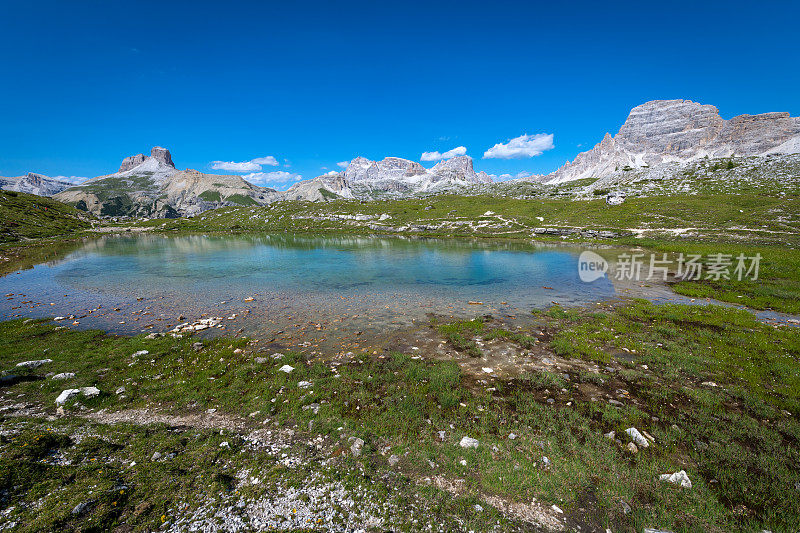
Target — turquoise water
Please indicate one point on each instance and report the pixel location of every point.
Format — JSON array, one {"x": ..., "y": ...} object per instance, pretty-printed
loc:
[{"x": 318, "y": 286}]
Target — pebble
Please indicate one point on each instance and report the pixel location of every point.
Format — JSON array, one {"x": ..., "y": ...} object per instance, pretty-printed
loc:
[{"x": 393, "y": 460}]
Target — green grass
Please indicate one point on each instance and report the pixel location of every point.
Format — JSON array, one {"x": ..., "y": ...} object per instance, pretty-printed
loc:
[
  {"x": 737, "y": 440},
  {"x": 712, "y": 214},
  {"x": 777, "y": 287},
  {"x": 240, "y": 199},
  {"x": 210, "y": 196},
  {"x": 27, "y": 216},
  {"x": 459, "y": 335}
]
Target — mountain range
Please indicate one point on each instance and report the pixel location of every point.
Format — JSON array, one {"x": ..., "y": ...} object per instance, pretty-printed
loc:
[
  {"x": 33, "y": 183},
  {"x": 657, "y": 140},
  {"x": 664, "y": 132}
]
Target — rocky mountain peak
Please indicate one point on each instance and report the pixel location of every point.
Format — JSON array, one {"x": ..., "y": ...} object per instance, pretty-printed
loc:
[
  {"x": 462, "y": 163},
  {"x": 681, "y": 131},
  {"x": 131, "y": 161},
  {"x": 158, "y": 153},
  {"x": 162, "y": 155}
]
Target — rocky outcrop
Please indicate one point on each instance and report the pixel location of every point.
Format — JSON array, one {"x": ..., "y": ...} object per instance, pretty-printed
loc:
[
  {"x": 322, "y": 188},
  {"x": 131, "y": 162},
  {"x": 161, "y": 155},
  {"x": 681, "y": 131},
  {"x": 32, "y": 183}
]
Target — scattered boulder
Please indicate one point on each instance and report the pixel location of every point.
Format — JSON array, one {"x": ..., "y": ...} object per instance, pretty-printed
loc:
[
  {"x": 615, "y": 198},
  {"x": 34, "y": 364},
  {"x": 679, "y": 478},
  {"x": 468, "y": 442},
  {"x": 63, "y": 375},
  {"x": 356, "y": 447},
  {"x": 67, "y": 395},
  {"x": 286, "y": 368},
  {"x": 83, "y": 507},
  {"x": 140, "y": 353},
  {"x": 90, "y": 392},
  {"x": 304, "y": 384},
  {"x": 637, "y": 437}
]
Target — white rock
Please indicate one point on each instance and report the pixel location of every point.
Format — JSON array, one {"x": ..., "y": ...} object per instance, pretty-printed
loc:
[
  {"x": 487, "y": 370},
  {"x": 468, "y": 442},
  {"x": 34, "y": 364},
  {"x": 90, "y": 392},
  {"x": 637, "y": 437},
  {"x": 286, "y": 368},
  {"x": 64, "y": 375},
  {"x": 557, "y": 509},
  {"x": 67, "y": 395},
  {"x": 139, "y": 353},
  {"x": 393, "y": 460},
  {"x": 304, "y": 384},
  {"x": 679, "y": 478},
  {"x": 357, "y": 446}
]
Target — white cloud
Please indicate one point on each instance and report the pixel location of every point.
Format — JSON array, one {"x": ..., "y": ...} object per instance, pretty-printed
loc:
[
  {"x": 343, "y": 164},
  {"x": 277, "y": 177},
  {"x": 230, "y": 166},
  {"x": 332, "y": 173},
  {"x": 268, "y": 160},
  {"x": 436, "y": 156},
  {"x": 71, "y": 179},
  {"x": 522, "y": 146},
  {"x": 253, "y": 165}
]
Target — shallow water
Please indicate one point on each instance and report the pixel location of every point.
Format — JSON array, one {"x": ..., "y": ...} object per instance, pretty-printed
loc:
[{"x": 312, "y": 289}]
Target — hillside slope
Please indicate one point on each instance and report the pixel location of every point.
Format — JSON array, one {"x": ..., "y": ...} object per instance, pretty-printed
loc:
[{"x": 27, "y": 216}]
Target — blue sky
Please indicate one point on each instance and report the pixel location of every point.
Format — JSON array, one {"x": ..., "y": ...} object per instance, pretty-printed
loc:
[{"x": 84, "y": 84}]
